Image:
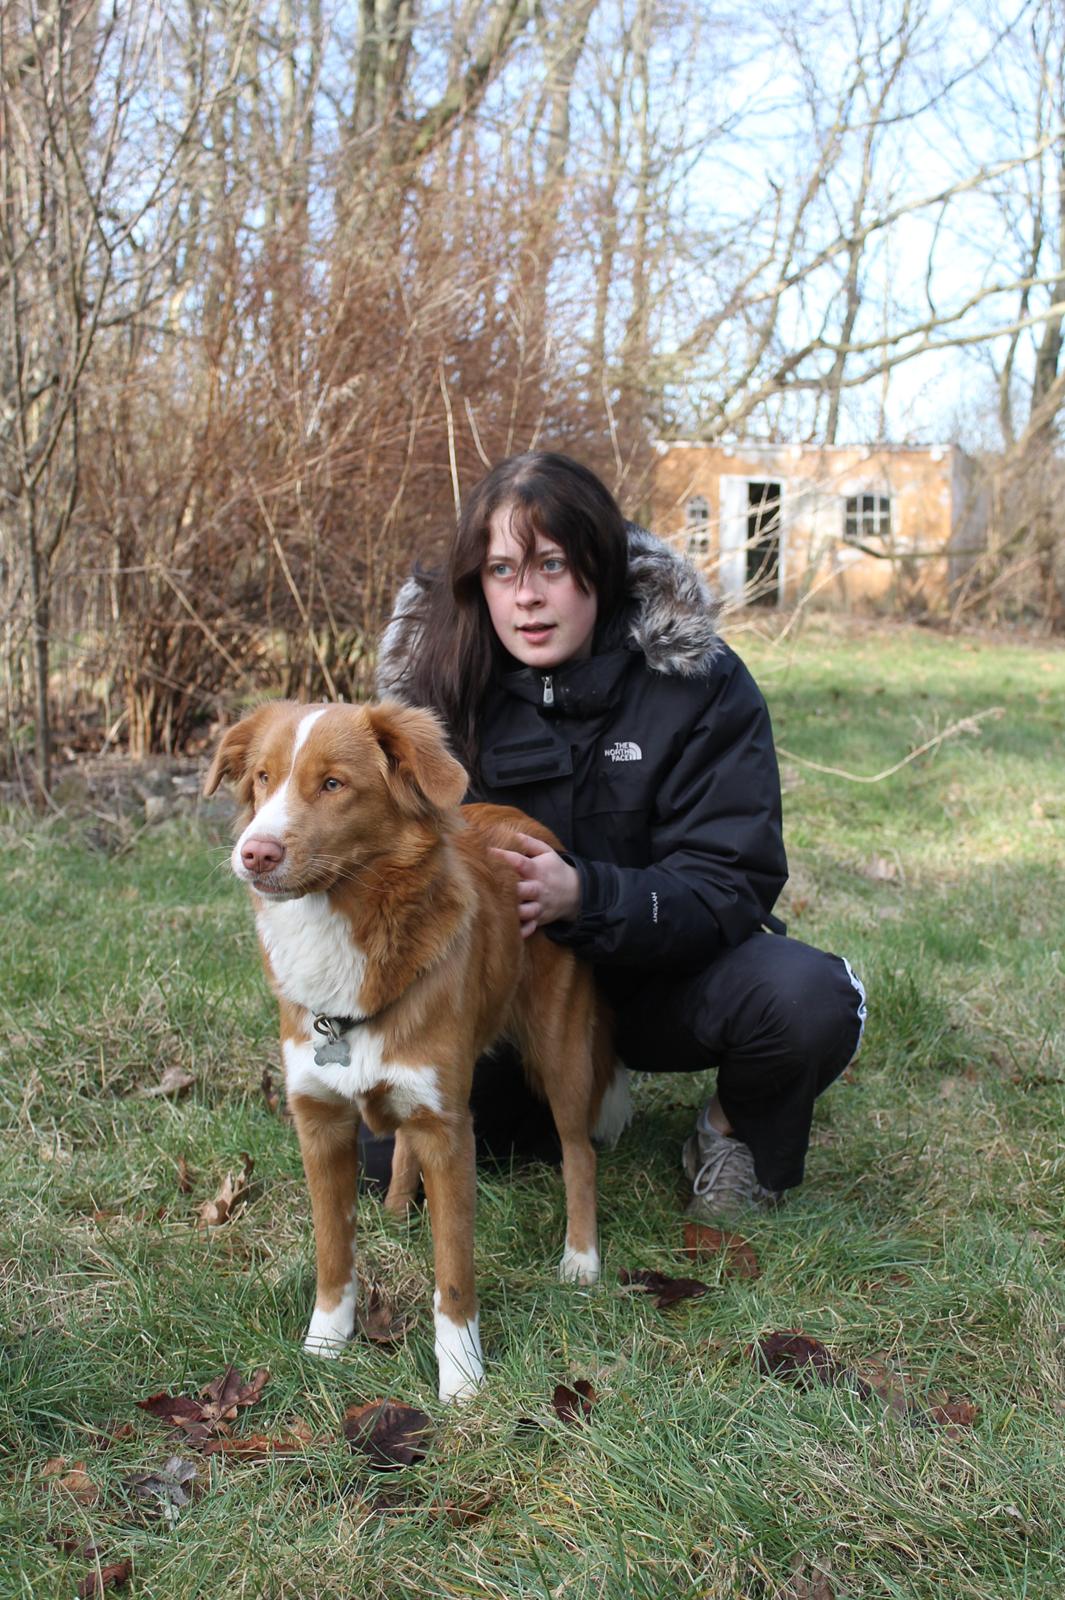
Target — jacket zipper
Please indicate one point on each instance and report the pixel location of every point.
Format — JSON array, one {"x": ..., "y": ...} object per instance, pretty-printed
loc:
[{"x": 549, "y": 689}]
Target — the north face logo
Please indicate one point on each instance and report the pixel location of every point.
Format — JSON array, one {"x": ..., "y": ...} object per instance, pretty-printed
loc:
[{"x": 624, "y": 751}]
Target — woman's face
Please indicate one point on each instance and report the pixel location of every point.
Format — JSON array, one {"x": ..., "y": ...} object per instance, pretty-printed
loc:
[{"x": 542, "y": 616}]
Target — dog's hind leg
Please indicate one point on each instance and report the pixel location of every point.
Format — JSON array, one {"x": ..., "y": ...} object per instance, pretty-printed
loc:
[
  {"x": 558, "y": 1047},
  {"x": 328, "y": 1136},
  {"x": 446, "y": 1155},
  {"x": 406, "y": 1170}
]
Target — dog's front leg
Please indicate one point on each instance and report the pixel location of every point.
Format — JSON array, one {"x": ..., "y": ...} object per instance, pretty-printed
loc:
[
  {"x": 448, "y": 1172},
  {"x": 328, "y": 1136}
]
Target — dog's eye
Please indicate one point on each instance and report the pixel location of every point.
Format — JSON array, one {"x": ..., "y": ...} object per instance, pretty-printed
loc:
[
  {"x": 264, "y": 777},
  {"x": 331, "y": 785}
]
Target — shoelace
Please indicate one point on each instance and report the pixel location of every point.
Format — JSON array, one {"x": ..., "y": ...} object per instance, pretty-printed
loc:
[{"x": 715, "y": 1172}]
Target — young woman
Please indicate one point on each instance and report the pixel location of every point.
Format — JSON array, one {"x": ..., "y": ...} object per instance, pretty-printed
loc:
[{"x": 576, "y": 664}]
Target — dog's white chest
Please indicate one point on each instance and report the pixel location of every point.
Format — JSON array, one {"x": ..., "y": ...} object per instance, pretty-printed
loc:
[
  {"x": 409, "y": 1088},
  {"x": 313, "y": 957}
]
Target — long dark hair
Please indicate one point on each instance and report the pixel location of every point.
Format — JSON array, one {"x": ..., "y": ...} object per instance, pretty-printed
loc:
[{"x": 550, "y": 495}]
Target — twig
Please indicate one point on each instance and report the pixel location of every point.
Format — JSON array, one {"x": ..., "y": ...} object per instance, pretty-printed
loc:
[
  {"x": 305, "y": 618},
  {"x": 453, "y": 462},
  {"x": 964, "y": 725}
]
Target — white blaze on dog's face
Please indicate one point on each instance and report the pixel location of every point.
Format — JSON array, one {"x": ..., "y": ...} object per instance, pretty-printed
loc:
[{"x": 328, "y": 787}]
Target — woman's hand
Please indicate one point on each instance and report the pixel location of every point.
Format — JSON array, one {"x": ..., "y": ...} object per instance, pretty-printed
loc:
[{"x": 549, "y": 889}]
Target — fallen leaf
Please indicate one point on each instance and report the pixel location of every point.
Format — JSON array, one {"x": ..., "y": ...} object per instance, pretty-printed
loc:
[
  {"x": 269, "y": 1093},
  {"x": 574, "y": 1405},
  {"x": 300, "y": 1430},
  {"x": 666, "y": 1290},
  {"x": 114, "y": 1576},
  {"x": 952, "y": 1416},
  {"x": 463, "y": 1514},
  {"x": 175, "y": 1081},
  {"x": 76, "y": 1481},
  {"x": 184, "y": 1176},
  {"x": 703, "y": 1243},
  {"x": 798, "y": 1359},
  {"x": 230, "y": 1197},
  {"x": 167, "y": 1484},
  {"x": 73, "y": 1544},
  {"x": 881, "y": 870},
  {"x": 115, "y": 1433},
  {"x": 807, "y": 1583},
  {"x": 389, "y": 1434},
  {"x": 378, "y": 1319},
  {"x": 218, "y": 1403}
]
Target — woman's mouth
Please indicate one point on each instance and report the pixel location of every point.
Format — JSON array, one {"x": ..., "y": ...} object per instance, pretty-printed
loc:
[{"x": 536, "y": 630}]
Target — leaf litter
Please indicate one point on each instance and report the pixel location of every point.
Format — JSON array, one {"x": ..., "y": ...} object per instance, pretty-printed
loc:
[
  {"x": 217, "y": 1405},
  {"x": 703, "y": 1243},
  {"x": 389, "y": 1434},
  {"x": 799, "y": 1359},
  {"x": 231, "y": 1197},
  {"x": 666, "y": 1290}
]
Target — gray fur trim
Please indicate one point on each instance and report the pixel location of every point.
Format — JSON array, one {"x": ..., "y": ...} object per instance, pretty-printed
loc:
[
  {"x": 675, "y": 624},
  {"x": 676, "y": 621}
]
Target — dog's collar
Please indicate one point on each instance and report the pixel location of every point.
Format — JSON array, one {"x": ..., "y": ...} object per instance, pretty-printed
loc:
[{"x": 333, "y": 1027}]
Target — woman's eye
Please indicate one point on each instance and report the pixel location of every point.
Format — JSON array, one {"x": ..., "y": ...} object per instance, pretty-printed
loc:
[
  {"x": 499, "y": 569},
  {"x": 554, "y": 564},
  {"x": 332, "y": 785}
]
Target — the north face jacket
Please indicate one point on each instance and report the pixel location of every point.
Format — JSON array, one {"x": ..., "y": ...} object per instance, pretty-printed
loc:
[{"x": 652, "y": 761}]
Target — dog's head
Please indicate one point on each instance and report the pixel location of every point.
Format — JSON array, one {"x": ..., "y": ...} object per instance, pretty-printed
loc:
[{"x": 326, "y": 788}]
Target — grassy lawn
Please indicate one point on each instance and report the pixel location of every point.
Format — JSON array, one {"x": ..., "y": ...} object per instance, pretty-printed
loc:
[{"x": 926, "y": 1244}]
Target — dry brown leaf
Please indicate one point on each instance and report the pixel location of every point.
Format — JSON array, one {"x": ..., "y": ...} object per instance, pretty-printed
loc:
[
  {"x": 184, "y": 1176},
  {"x": 114, "y": 1433},
  {"x": 217, "y": 1405},
  {"x": 666, "y": 1290},
  {"x": 797, "y": 1358},
  {"x": 270, "y": 1095},
  {"x": 175, "y": 1081},
  {"x": 378, "y": 1319},
  {"x": 703, "y": 1243},
  {"x": 76, "y": 1482},
  {"x": 807, "y": 1582},
  {"x": 230, "y": 1197},
  {"x": 299, "y": 1429},
  {"x": 956, "y": 1414},
  {"x": 389, "y": 1434},
  {"x": 114, "y": 1576},
  {"x": 574, "y": 1405}
]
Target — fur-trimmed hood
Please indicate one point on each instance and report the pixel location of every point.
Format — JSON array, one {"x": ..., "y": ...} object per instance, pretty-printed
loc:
[{"x": 672, "y": 619}]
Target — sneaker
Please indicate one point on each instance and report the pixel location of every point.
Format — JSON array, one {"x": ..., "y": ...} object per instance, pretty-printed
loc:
[{"x": 722, "y": 1175}]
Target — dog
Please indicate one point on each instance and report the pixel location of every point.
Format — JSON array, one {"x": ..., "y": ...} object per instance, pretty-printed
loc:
[{"x": 390, "y": 935}]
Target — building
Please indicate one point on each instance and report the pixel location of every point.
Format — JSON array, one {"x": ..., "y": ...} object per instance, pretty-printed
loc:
[{"x": 852, "y": 524}]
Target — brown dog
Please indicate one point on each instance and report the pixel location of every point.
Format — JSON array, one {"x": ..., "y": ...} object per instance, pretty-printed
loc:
[{"x": 391, "y": 938}]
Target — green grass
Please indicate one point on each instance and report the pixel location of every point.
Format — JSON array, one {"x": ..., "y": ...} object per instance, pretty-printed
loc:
[{"x": 929, "y": 1233}]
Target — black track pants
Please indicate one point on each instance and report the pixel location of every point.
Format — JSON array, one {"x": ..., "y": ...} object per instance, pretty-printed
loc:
[{"x": 778, "y": 1019}]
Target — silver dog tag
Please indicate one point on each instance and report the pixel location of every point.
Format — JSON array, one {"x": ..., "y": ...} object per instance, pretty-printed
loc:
[{"x": 332, "y": 1053}]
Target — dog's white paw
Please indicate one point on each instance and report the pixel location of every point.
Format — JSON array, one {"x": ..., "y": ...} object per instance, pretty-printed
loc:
[
  {"x": 458, "y": 1355},
  {"x": 330, "y": 1331},
  {"x": 579, "y": 1266}
]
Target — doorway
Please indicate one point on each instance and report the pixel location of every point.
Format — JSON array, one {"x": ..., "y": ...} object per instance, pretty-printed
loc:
[{"x": 763, "y": 543}]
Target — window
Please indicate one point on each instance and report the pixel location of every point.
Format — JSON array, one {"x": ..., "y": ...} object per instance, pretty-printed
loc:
[
  {"x": 697, "y": 522},
  {"x": 867, "y": 516}
]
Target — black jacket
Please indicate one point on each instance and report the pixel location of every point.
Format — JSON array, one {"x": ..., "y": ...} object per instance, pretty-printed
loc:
[{"x": 652, "y": 761}]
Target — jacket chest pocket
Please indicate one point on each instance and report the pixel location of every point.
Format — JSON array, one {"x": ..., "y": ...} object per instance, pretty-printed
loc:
[{"x": 536, "y": 759}]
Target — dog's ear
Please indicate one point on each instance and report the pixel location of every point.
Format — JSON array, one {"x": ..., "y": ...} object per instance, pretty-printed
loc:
[
  {"x": 425, "y": 778},
  {"x": 230, "y": 762}
]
